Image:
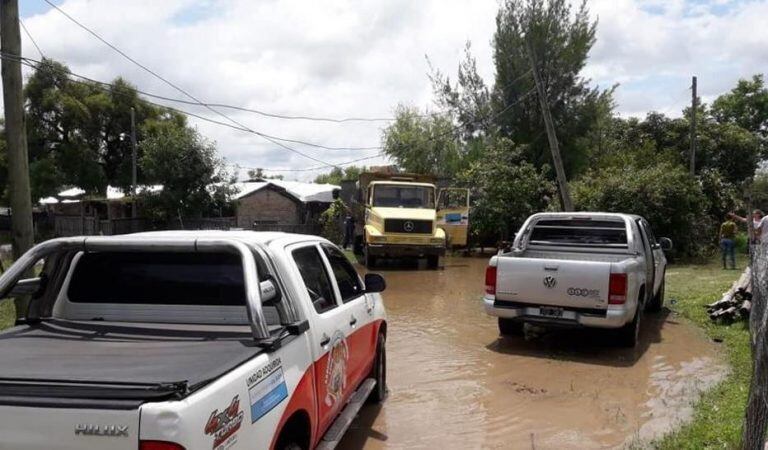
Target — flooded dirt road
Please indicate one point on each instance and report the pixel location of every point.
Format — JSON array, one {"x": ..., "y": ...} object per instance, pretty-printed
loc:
[{"x": 454, "y": 383}]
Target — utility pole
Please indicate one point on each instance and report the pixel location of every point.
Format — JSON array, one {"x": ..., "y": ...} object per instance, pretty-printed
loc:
[
  {"x": 133, "y": 163},
  {"x": 562, "y": 182},
  {"x": 16, "y": 136},
  {"x": 694, "y": 101}
]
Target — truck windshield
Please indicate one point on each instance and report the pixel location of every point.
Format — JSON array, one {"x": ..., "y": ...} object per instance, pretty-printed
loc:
[
  {"x": 579, "y": 232},
  {"x": 404, "y": 196}
]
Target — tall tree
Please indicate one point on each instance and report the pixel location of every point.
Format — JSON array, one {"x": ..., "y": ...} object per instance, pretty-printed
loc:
[
  {"x": 560, "y": 38},
  {"x": 186, "y": 164},
  {"x": 746, "y": 105},
  {"x": 337, "y": 175},
  {"x": 423, "y": 143}
]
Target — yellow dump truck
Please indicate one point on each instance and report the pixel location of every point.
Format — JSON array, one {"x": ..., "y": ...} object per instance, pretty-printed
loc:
[{"x": 403, "y": 217}]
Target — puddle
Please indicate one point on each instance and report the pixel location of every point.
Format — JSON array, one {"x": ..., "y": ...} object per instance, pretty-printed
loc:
[{"x": 455, "y": 384}]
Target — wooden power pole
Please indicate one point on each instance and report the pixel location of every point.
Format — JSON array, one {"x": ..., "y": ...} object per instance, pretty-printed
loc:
[
  {"x": 16, "y": 135},
  {"x": 133, "y": 163},
  {"x": 562, "y": 183},
  {"x": 694, "y": 100}
]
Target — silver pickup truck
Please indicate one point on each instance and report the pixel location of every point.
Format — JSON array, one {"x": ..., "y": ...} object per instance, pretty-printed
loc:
[{"x": 578, "y": 269}]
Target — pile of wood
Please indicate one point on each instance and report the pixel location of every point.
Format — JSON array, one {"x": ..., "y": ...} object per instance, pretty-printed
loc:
[{"x": 736, "y": 303}]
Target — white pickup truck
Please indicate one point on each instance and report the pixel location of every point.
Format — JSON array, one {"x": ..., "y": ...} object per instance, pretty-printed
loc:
[
  {"x": 189, "y": 341},
  {"x": 578, "y": 269}
]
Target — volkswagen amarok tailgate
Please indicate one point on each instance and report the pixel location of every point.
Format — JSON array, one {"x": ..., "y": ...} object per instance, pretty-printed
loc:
[{"x": 553, "y": 282}]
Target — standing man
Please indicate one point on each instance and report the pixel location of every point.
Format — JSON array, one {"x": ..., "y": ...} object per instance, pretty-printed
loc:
[
  {"x": 759, "y": 226},
  {"x": 349, "y": 230},
  {"x": 727, "y": 243}
]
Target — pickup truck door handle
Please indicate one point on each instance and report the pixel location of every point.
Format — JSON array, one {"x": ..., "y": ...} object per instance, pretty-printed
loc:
[
  {"x": 326, "y": 340},
  {"x": 352, "y": 321}
]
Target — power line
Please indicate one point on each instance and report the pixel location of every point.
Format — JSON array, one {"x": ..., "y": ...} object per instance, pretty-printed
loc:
[
  {"x": 24, "y": 27},
  {"x": 310, "y": 169},
  {"x": 187, "y": 94},
  {"x": 106, "y": 88}
]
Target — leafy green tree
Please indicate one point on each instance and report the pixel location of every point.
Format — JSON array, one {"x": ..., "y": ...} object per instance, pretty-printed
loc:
[
  {"x": 746, "y": 105},
  {"x": 78, "y": 132},
  {"x": 662, "y": 192},
  {"x": 193, "y": 178},
  {"x": 258, "y": 173},
  {"x": 505, "y": 190},
  {"x": 338, "y": 174},
  {"x": 560, "y": 38},
  {"x": 423, "y": 143}
]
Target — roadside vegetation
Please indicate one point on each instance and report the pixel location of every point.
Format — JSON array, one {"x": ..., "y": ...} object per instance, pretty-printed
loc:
[{"x": 719, "y": 413}]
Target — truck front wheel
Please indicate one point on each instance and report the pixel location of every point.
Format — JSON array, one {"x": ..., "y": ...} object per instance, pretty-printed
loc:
[
  {"x": 368, "y": 259},
  {"x": 509, "y": 327},
  {"x": 433, "y": 262},
  {"x": 379, "y": 372}
]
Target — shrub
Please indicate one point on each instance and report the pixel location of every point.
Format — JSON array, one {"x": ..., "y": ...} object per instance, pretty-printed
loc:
[{"x": 664, "y": 193}]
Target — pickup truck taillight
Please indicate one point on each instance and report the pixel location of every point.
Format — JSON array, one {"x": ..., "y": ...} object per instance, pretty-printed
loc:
[
  {"x": 490, "y": 280},
  {"x": 617, "y": 289},
  {"x": 159, "y": 445}
]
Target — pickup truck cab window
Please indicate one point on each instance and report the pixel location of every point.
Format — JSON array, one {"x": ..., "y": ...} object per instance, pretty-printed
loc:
[
  {"x": 315, "y": 277},
  {"x": 346, "y": 277}
]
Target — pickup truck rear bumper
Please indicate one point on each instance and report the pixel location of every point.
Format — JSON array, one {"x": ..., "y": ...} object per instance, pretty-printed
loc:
[
  {"x": 405, "y": 250},
  {"x": 615, "y": 317}
]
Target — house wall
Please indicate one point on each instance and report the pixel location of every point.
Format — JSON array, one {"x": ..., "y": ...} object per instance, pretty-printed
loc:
[{"x": 268, "y": 206}]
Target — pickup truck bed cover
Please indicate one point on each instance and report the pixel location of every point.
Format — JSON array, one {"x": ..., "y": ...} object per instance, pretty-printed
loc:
[{"x": 128, "y": 362}]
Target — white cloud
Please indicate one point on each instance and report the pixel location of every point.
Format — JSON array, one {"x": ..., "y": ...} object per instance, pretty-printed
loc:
[{"x": 361, "y": 58}]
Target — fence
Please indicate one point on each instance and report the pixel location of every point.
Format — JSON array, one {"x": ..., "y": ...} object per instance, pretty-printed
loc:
[{"x": 756, "y": 418}]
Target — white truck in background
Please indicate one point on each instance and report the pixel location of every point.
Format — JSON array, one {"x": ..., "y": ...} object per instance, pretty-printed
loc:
[
  {"x": 206, "y": 340},
  {"x": 578, "y": 269}
]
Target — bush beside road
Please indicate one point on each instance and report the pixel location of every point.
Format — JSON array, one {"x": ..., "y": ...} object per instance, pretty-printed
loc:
[{"x": 719, "y": 413}]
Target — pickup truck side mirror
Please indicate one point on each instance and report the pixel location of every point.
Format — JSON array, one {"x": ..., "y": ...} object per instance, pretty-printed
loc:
[
  {"x": 666, "y": 243},
  {"x": 374, "y": 283},
  {"x": 27, "y": 286}
]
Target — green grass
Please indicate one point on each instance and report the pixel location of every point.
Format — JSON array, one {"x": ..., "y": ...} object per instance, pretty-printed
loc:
[{"x": 718, "y": 414}]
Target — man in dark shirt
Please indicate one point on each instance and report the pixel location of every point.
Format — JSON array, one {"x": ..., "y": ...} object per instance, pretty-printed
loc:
[{"x": 727, "y": 244}]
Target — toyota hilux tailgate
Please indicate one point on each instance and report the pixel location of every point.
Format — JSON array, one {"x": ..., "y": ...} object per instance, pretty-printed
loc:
[{"x": 38, "y": 428}]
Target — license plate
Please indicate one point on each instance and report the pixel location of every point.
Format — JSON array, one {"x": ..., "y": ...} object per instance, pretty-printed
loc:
[{"x": 551, "y": 312}]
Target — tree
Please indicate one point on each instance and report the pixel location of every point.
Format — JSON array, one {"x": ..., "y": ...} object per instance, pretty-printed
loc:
[
  {"x": 560, "y": 39},
  {"x": 193, "y": 178},
  {"x": 423, "y": 143},
  {"x": 746, "y": 105},
  {"x": 661, "y": 191},
  {"x": 258, "y": 173},
  {"x": 338, "y": 174},
  {"x": 505, "y": 190},
  {"x": 78, "y": 131}
]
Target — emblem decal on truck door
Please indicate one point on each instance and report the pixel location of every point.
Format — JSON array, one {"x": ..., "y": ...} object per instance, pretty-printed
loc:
[
  {"x": 336, "y": 372},
  {"x": 550, "y": 281},
  {"x": 266, "y": 389},
  {"x": 224, "y": 425}
]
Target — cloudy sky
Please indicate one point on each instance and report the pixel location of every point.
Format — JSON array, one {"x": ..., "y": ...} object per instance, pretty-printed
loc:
[{"x": 360, "y": 58}]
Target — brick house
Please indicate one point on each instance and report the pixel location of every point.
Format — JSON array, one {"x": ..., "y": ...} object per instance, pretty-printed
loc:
[{"x": 281, "y": 205}]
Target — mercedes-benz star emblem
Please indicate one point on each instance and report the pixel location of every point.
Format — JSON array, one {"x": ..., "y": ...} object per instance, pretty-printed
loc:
[
  {"x": 550, "y": 282},
  {"x": 408, "y": 226}
]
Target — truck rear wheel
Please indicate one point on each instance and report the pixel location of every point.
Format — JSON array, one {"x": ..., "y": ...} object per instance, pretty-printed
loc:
[
  {"x": 509, "y": 327},
  {"x": 629, "y": 334}
]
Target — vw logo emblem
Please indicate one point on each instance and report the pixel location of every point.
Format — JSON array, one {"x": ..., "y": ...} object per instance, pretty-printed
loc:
[
  {"x": 550, "y": 282},
  {"x": 408, "y": 226}
]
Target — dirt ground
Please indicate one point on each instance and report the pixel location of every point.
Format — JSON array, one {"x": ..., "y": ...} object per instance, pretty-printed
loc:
[{"x": 454, "y": 383}]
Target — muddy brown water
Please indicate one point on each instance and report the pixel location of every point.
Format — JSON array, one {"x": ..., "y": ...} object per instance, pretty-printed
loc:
[{"x": 454, "y": 383}]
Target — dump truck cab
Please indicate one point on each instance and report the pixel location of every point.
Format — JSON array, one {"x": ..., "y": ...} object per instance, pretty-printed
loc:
[{"x": 400, "y": 218}]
